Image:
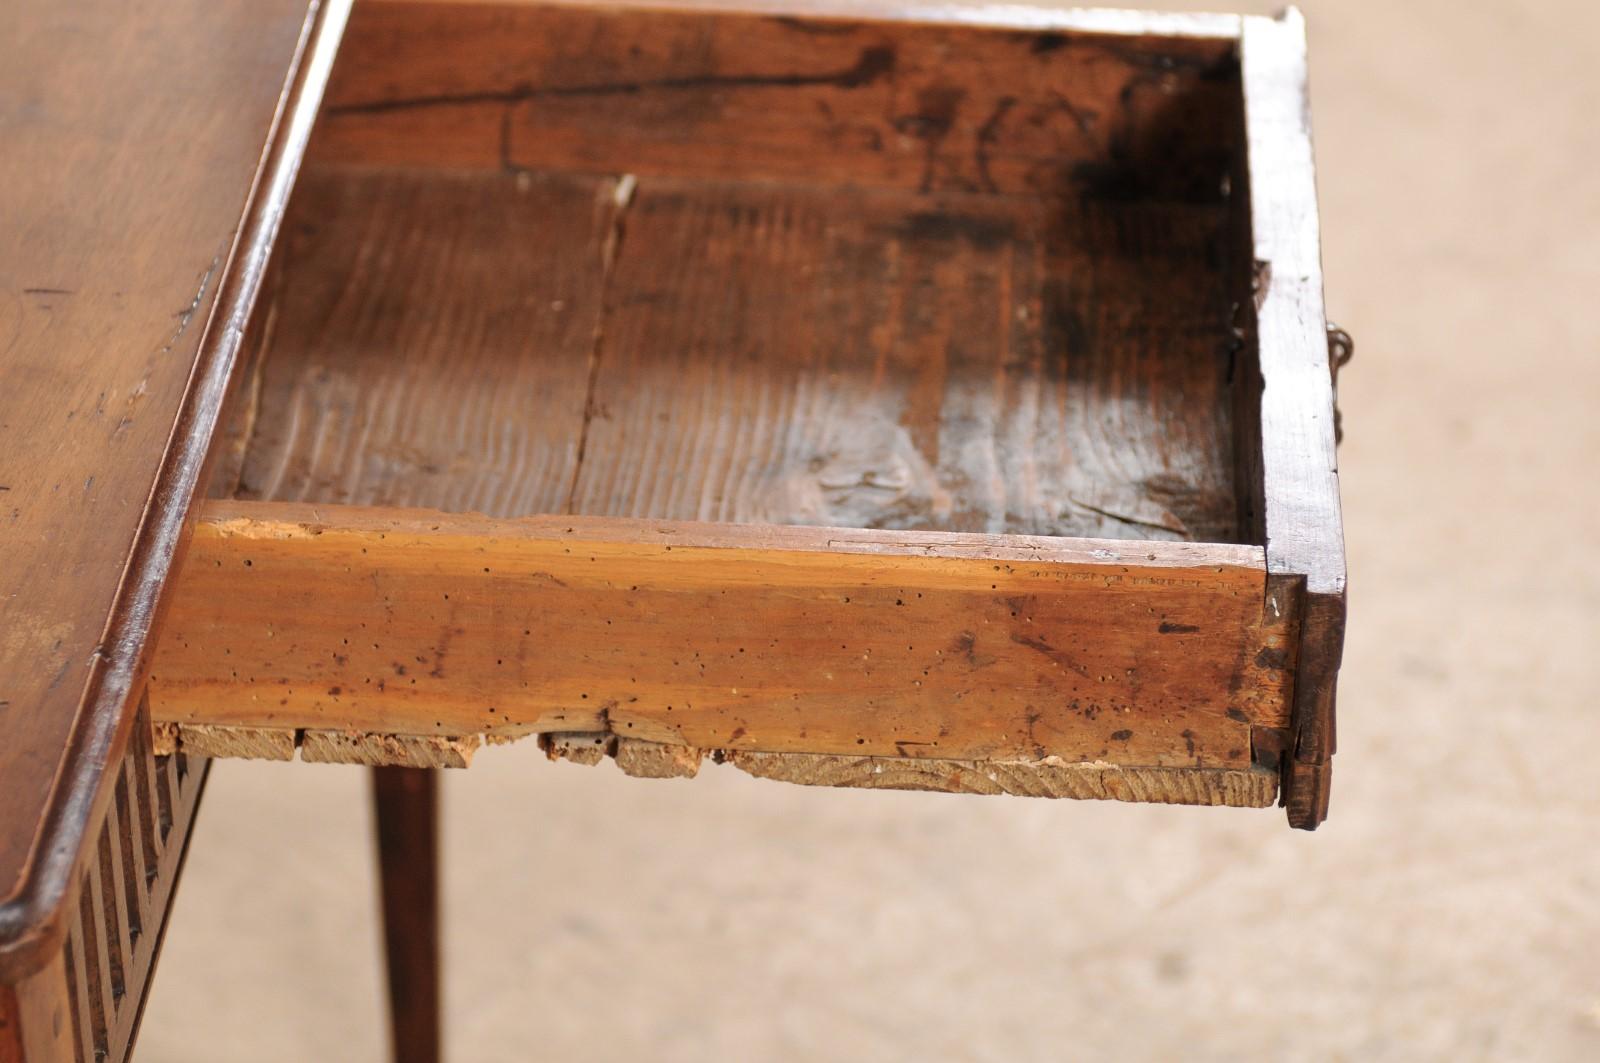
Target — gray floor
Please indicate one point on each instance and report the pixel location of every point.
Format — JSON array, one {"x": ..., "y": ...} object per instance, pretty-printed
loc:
[{"x": 1450, "y": 909}]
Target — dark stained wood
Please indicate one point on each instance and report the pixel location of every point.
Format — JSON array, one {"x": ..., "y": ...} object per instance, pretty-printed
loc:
[
  {"x": 1300, "y": 469},
  {"x": 797, "y": 355},
  {"x": 405, "y": 802},
  {"x": 748, "y": 352},
  {"x": 138, "y": 205},
  {"x": 1236, "y": 787},
  {"x": 693, "y": 93},
  {"x": 720, "y": 636}
]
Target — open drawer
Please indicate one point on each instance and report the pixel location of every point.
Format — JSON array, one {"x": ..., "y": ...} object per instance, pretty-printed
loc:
[{"x": 863, "y": 401}]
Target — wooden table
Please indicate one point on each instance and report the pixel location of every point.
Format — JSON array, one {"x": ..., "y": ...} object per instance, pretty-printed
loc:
[{"x": 853, "y": 394}]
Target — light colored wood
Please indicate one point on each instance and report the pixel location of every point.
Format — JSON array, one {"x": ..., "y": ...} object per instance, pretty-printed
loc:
[
  {"x": 114, "y": 932},
  {"x": 36, "y": 1017},
  {"x": 430, "y": 342},
  {"x": 1022, "y": 777},
  {"x": 928, "y": 106},
  {"x": 635, "y": 756},
  {"x": 388, "y": 750},
  {"x": 247, "y": 743},
  {"x": 163, "y": 738},
  {"x": 748, "y": 352},
  {"x": 1042, "y": 15},
  {"x": 728, "y": 637},
  {"x": 819, "y": 355}
]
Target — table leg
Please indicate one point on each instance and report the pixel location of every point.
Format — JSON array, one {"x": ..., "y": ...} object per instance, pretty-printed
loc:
[{"x": 405, "y": 800}]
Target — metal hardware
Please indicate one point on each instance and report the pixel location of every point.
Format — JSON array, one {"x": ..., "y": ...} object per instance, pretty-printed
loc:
[{"x": 1341, "y": 348}]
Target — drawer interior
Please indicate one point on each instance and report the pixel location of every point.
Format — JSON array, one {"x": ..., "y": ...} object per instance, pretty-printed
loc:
[
  {"x": 737, "y": 268},
  {"x": 609, "y": 356}
]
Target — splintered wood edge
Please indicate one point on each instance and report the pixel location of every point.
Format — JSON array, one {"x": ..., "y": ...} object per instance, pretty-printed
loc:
[
  {"x": 316, "y": 747},
  {"x": 1047, "y": 777},
  {"x": 1024, "y": 16}
]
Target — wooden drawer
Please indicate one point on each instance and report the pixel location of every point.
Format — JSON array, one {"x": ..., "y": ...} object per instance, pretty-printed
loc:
[{"x": 863, "y": 401}]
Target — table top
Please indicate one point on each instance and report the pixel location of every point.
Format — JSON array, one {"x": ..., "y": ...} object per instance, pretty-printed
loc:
[{"x": 134, "y": 137}]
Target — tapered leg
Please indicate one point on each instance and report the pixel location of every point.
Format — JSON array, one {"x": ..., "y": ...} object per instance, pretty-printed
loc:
[{"x": 406, "y": 803}]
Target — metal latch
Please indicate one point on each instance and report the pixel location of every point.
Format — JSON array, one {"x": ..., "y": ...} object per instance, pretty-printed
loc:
[{"x": 1341, "y": 348}]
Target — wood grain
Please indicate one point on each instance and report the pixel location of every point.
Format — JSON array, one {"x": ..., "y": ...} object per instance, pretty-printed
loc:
[
  {"x": 1052, "y": 777},
  {"x": 919, "y": 106},
  {"x": 406, "y": 803},
  {"x": 825, "y": 356},
  {"x": 1300, "y": 488},
  {"x": 430, "y": 341},
  {"x": 713, "y": 636},
  {"x": 85, "y": 1001},
  {"x": 120, "y": 305},
  {"x": 772, "y": 353},
  {"x": 35, "y": 1017},
  {"x": 386, "y": 750},
  {"x": 247, "y": 743}
]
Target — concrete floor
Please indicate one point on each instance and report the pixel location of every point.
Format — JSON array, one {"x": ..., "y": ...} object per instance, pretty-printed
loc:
[{"x": 1449, "y": 909}]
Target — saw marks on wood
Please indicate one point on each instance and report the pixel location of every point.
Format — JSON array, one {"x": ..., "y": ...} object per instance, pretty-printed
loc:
[
  {"x": 1049, "y": 777},
  {"x": 315, "y": 747},
  {"x": 518, "y": 344},
  {"x": 1052, "y": 777},
  {"x": 430, "y": 342},
  {"x": 863, "y": 101}
]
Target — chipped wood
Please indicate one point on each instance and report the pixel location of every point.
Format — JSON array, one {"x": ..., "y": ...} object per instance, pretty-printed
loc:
[
  {"x": 1052, "y": 777},
  {"x": 124, "y": 302},
  {"x": 929, "y": 106},
  {"x": 721, "y": 636},
  {"x": 388, "y": 750}
]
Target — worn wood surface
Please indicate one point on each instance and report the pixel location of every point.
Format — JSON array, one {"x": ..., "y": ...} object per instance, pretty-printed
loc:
[
  {"x": 820, "y": 356},
  {"x": 1023, "y": 777},
  {"x": 1300, "y": 471},
  {"x": 386, "y": 750},
  {"x": 239, "y": 743},
  {"x": 430, "y": 341},
  {"x": 85, "y": 1000},
  {"x": 812, "y": 640},
  {"x": 694, "y": 93},
  {"x": 709, "y": 351},
  {"x": 1251, "y": 787},
  {"x": 129, "y": 262}
]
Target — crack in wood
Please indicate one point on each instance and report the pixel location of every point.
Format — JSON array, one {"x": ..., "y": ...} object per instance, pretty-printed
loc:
[
  {"x": 873, "y": 64},
  {"x": 622, "y": 198}
]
